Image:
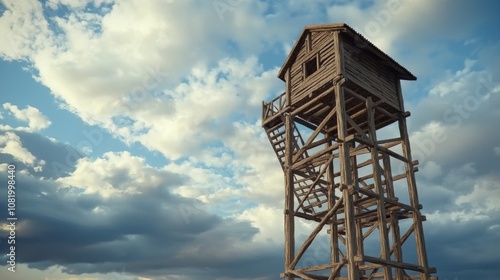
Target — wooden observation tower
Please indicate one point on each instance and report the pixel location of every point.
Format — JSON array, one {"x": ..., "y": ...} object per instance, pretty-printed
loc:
[{"x": 339, "y": 131}]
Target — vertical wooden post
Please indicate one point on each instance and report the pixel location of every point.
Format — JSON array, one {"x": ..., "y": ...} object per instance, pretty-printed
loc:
[
  {"x": 289, "y": 221},
  {"x": 414, "y": 202},
  {"x": 339, "y": 53},
  {"x": 288, "y": 90},
  {"x": 308, "y": 42},
  {"x": 381, "y": 213},
  {"x": 412, "y": 189},
  {"x": 396, "y": 235},
  {"x": 346, "y": 184},
  {"x": 359, "y": 223},
  {"x": 289, "y": 198},
  {"x": 334, "y": 242}
]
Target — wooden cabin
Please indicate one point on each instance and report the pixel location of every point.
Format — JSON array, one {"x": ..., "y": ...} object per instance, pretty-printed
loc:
[{"x": 324, "y": 53}]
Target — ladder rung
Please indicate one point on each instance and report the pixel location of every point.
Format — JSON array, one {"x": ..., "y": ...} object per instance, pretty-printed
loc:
[
  {"x": 278, "y": 142},
  {"x": 280, "y": 149},
  {"x": 276, "y": 135}
]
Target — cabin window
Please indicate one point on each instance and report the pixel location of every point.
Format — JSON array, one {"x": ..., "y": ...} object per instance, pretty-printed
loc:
[{"x": 311, "y": 66}]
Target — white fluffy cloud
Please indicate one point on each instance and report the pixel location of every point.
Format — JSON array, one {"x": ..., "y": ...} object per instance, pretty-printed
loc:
[
  {"x": 256, "y": 165},
  {"x": 206, "y": 107},
  {"x": 24, "y": 28},
  {"x": 116, "y": 174},
  {"x": 380, "y": 22},
  {"x": 130, "y": 58},
  {"x": 268, "y": 220},
  {"x": 206, "y": 184},
  {"x": 11, "y": 144},
  {"x": 35, "y": 119}
]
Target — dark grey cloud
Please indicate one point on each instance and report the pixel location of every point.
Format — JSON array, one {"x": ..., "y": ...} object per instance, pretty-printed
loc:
[
  {"x": 144, "y": 233},
  {"x": 60, "y": 158},
  {"x": 465, "y": 249},
  {"x": 153, "y": 233}
]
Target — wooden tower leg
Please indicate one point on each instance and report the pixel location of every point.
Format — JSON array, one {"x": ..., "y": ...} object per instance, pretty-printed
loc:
[
  {"x": 289, "y": 199},
  {"x": 414, "y": 201},
  {"x": 412, "y": 190},
  {"x": 357, "y": 211},
  {"x": 346, "y": 184},
  {"x": 334, "y": 241},
  {"x": 396, "y": 234},
  {"x": 381, "y": 211}
]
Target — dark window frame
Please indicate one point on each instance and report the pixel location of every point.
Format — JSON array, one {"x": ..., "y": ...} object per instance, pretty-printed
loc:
[{"x": 311, "y": 66}]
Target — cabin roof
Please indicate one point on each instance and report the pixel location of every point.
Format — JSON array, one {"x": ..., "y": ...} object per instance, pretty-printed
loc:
[{"x": 402, "y": 72}]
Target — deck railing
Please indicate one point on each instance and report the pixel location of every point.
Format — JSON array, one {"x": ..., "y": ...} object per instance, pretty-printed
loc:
[{"x": 271, "y": 108}]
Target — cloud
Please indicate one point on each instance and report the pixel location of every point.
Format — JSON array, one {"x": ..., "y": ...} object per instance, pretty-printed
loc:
[
  {"x": 455, "y": 126},
  {"x": 485, "y": 197},
  {"x": 469, "y": 226},
  {"x": 139, "y": 224},
  {"x": 25, "y": 27},
  {"x": 41, "y": 156},
  {"x": 125, "y": 188},
  {"x": 136, "y": 212},
  {"x": 447, "y": 240},
  {"x": 456, "y": 82},
  {"x": 431, "y": 170},
  {"x": 130, "y": 73},
  {"x": 157, "y": 74},
  {"x": 270, "y": 228},
  {"x": 10, "y": 144},
  {"x": 396, "y": 26},
  {"x": 36, "y": 120},
  {"x": 446, "y": 124},
  {"x": 115, "y": 174},
  {"x": 75, "y": 4},
  {"x": 462, "y": 215},
  {"x": 156, "y": 47},
  {"x": 206, "y": 106}
]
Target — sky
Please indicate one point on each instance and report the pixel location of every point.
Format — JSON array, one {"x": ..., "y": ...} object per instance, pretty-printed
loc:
[{"x": 135, "y": 129}]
